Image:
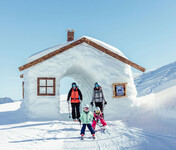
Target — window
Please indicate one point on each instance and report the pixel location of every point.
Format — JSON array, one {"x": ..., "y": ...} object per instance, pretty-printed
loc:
[
  {"x": 119, "y": 90},
  {"x": 46, "y": 86}
]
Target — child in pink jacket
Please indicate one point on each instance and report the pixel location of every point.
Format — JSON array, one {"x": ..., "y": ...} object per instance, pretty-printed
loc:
[{"x": 98, "y": 116}]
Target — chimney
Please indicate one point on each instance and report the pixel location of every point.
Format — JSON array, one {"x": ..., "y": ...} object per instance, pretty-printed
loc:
[{"x": 70, "y": 35}]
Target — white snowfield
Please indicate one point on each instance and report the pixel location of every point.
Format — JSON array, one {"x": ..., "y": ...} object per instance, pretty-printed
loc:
[
  {"x": 151, "y": 127},
  {"x": 156, "y": 80}
]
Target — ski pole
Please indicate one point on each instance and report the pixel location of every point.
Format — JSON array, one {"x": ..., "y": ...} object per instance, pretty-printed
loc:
[
  {"x": 92, "y": 108},
  {"x": 69, "y": 110},
  {"x": 103, "y": 109},
  {"x": 80, "y": 124},
  {"x": 81, "y": 106}
]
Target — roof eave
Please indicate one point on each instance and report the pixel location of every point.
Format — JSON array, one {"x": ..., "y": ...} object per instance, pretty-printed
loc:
[{"x": 75, "y": 43}]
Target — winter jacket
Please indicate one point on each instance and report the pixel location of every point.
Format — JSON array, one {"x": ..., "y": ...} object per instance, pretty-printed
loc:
[
  {"x": 98, "y": 116},
  {"x": 98, "y": 96},
  {"x": 75, "y": 95},
  {"x": 86, "y": 118}
]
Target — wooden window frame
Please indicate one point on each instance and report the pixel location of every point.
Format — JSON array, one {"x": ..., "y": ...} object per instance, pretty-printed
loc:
[
  {"x": 114, "y": 90},
  {"x": 46, "y": 94},
  {"x": 23, "y": 89}
]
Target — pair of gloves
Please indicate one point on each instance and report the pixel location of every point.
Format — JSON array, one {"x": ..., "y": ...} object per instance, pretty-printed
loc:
[{"x": 105, "y": 103}]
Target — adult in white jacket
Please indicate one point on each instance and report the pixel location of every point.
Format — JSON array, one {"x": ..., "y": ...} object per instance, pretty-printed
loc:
[{"x": 98, "y": 97}]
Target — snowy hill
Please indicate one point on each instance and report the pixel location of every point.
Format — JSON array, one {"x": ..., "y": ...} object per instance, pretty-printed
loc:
[
  {"x": 156, "y": 80},
  {"x": 6, "y": 100},
  {"x": 162, "y": 104}
]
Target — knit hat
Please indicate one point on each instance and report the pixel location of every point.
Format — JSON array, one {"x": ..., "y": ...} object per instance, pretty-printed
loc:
[
  {"x": 96, "y": 84},
  {"x": 73, "y": 84}
]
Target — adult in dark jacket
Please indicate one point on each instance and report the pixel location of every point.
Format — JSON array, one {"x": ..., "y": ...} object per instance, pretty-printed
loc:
[
  {"x": 98, "y": 97},
  {"x": 76, "y": 98}
]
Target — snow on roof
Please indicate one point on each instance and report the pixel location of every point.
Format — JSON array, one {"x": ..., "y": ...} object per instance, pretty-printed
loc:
[
  {"x": 51, "y": 49},
  {"x": 96, "y": 44},
  {"x": 105, "y": 45}
]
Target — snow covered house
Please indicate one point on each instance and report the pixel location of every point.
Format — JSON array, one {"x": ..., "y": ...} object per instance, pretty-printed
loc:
[{"x": 86, "y": 60}]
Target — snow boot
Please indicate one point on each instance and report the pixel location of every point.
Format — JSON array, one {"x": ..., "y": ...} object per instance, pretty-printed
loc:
[
  {"x": 82, "y": 136},
  {"x": 93, "y": 136}
]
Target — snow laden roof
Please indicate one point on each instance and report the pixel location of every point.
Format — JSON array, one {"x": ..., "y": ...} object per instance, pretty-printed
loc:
[
  {"x": 51, "y": 49},
  {"x": 99, "y": 45}
]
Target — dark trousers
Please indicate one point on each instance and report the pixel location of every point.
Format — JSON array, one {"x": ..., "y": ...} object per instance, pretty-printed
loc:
[
  {"x": 100, "y": 105},
  {"x": 75, "y": 110},
  {"x": 89, "y": 127}
]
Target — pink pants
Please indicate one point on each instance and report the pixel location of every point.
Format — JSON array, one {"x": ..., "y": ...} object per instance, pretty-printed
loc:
[{"x": 101, "y": 120}]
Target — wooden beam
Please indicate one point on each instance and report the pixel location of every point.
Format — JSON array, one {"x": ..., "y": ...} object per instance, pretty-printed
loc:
[
  {"x": 89, "y": 42},
  {"x": 105, "y": 50},
  {"x": 54, "y": 53}
]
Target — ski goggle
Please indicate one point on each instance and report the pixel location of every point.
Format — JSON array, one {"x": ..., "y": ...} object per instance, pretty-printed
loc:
[
  {"x": 96, "y": 85},
  {"x": 74, "y": 85},
  {"x": 86, "y": 108},
  {"x": 97, "y": 112}
]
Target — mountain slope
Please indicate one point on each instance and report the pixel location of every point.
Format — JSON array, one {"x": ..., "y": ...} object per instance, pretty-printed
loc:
[
  {"x": 157, "y": 80},
  {"x": 6, "y": 100}
]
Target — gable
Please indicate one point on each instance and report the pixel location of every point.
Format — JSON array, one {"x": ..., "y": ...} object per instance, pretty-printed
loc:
[{"x": 77, "y": 42}]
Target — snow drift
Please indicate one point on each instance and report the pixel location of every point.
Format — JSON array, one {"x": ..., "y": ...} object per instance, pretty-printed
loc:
[
  {"x": 156, "y": 80},
  {"x": 162, "y": 103}
]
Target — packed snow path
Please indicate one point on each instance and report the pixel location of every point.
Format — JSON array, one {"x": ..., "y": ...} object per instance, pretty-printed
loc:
[
  {"x": 61, "y": 135},
  {"x": 18, "y": 134},
  {"x": 66, "y": 135}
]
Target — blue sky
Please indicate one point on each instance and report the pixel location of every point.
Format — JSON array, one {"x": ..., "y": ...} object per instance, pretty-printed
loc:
[{"x": 144, "y": 30}]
